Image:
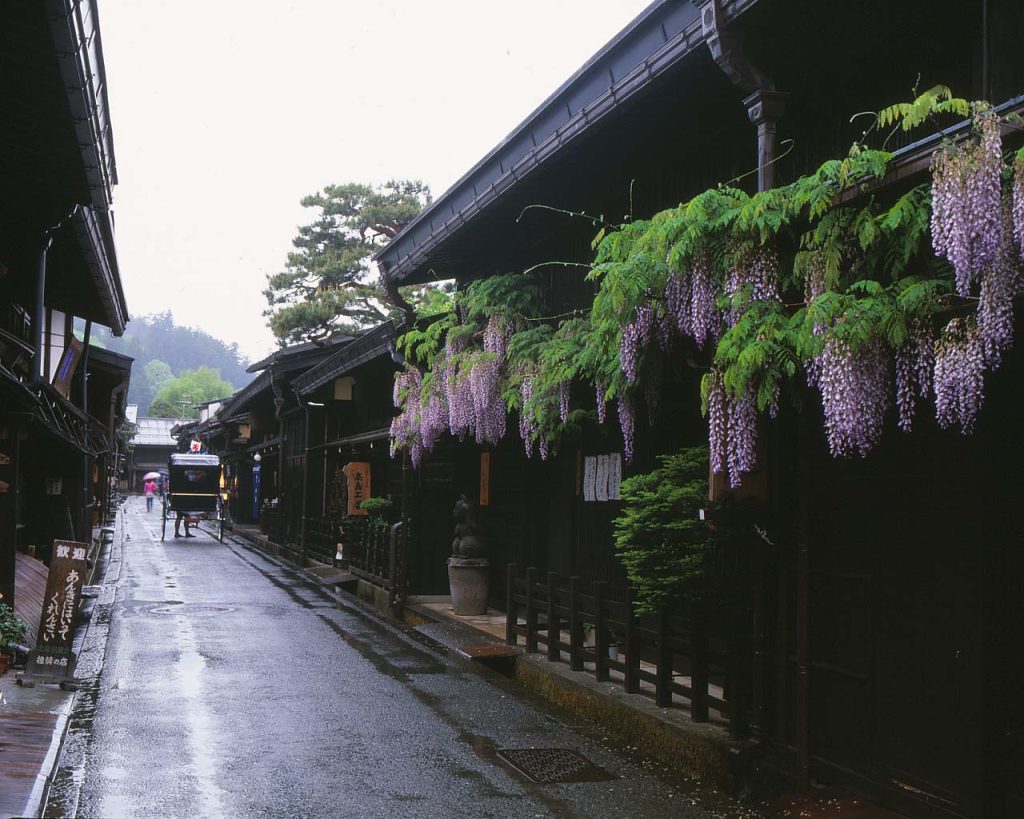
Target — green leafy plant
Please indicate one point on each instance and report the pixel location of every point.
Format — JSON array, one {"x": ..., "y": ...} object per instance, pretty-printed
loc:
[
  {"x": 12, "y": 628},
  {"x": 762, "y": 291},
  {"x": 659, "y": 536},
  {"x": 378, "y": 508}
]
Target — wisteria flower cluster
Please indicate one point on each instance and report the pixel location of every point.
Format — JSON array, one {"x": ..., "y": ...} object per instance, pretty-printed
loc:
[
  {"x": 732, "y": 427},
  {"x": 915, "y": 360},
  {"x": 959, "y": 375},
  {"x": 966, "y": 192},
  {"x": 754, "y": 276},
  {"x": 690, "y": 300},
  {"x": 1000, "y": 282},
  {"x": 854, "y": 388},
  {"x": 876, "y": 339},
  {"x": 636, "y": 335},
  {"x": 1017, "y": 188}
]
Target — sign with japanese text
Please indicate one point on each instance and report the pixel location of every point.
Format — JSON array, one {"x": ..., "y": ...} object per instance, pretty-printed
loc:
[
  {"x": 357, "y": 475},
  {"x": 53, "y": 656},
  {"x": 602, "y": 477},
  {"x": 485, "y": 478}
]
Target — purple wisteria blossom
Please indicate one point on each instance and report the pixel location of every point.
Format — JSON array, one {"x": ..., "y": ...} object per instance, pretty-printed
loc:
[
  {"x": 966, "y": 214},
  {"x": 854, "y": 394},
  {"x": 959, "y": 375}
]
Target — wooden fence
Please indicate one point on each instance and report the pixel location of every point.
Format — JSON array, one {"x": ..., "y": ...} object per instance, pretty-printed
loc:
[{"x": 689, "y": 656}]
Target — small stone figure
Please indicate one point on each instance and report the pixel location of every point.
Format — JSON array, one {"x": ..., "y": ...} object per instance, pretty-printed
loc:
[{"x": 468, "y": 542}]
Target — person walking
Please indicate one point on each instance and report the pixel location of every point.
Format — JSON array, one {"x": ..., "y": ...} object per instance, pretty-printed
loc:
[{"x": 149, "y": 490}]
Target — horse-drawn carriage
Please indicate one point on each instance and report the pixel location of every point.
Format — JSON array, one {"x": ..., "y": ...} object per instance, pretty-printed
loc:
[{"x": 194, "y": 490}]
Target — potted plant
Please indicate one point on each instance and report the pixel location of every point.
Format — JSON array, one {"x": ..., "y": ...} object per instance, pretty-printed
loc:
[{"x": 12, "y": 630}]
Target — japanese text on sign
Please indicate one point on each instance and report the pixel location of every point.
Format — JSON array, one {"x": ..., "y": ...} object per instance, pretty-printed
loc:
[
  {"x": 602, "y": 477},
  {"x": 357, "y": 476}
]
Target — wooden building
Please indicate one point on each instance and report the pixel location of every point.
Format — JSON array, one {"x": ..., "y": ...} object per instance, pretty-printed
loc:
[
  {"x": 149, "y": 449},
  {"x": 57, "y": 264},
  {"x": 881, "y": 645}
]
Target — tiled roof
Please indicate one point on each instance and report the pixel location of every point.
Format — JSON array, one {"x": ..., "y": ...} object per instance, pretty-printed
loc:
[{"x": 155, "y": 432}]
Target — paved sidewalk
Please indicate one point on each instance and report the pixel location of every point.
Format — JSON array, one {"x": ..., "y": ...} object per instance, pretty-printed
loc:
[
  {"x": 32, "y": 724},
  {"x": 34, "y": 720}
]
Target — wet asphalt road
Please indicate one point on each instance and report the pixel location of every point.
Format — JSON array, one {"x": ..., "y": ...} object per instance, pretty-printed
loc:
[{"x": 232, "y": 687}]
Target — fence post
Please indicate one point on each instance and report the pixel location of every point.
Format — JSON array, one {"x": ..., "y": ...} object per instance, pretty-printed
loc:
[
  {"x": 575, "y": 625},
  {"x": 600, "y": 631},
  {"x": 511, "y": 609},
  {"x": 531, "y": 611},
  {"x": 554, "y": 629},
  {"x": 632, "y": 680},
  {"x": 739, "y": 723},
  {"x": 699, "y": 667},
  {"x": 663, "y": 686}
]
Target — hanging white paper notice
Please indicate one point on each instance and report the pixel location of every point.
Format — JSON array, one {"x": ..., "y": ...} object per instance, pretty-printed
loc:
[
  {"x": 601, "y": 488},
  {"x": 589, "y": 474},
  {"x": 614, "y": 476}
]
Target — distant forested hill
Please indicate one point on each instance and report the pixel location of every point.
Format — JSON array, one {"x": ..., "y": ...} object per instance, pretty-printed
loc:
[{"x": 164, "y": 350}]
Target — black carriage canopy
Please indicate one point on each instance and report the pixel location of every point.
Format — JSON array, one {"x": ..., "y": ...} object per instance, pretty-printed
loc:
[{"x": 193, "y": 482}]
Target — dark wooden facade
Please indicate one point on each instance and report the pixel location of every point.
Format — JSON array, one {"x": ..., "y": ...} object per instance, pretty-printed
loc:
[
  {"x": 884, "y": 618},
  {"x": 58, "y": 269}
]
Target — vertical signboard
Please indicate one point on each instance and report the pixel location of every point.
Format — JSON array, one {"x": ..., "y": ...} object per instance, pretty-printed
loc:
[
  {"x": 256, "y": 492},
  {"x": 589, "y": 477},
  {"x": 357, "y": 476},
  {"x": 485, "y": 478},
  {"x": 614, "y": 476},
  {"x": 601, "y": 477},
  {"x": 52, "y": 658}
]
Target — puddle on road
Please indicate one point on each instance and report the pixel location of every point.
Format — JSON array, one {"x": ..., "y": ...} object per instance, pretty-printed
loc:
[{"x": 189, "y": 674}]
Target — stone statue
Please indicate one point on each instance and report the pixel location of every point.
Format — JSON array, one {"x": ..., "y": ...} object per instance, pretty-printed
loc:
[{"x": 468, "y": 542}]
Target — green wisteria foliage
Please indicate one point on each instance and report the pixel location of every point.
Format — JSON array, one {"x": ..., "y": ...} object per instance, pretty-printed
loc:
[{"x": 874, "y": 298}]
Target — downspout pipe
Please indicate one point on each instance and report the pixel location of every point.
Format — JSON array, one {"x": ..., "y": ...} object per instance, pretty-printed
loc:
[
  {"x": 40, "y": 314},
  {"x": 86, "y": 525}
]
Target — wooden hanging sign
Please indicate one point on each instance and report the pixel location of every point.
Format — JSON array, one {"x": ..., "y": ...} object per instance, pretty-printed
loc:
[
  {"x": 52, "y": 659},
  {"x": 357, "y": 475},
  {"x": 485, "y": 478}
]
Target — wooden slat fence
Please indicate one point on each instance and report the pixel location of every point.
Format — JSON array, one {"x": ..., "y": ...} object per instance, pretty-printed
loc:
[
  {"x": 322, "y": 537},
  {"x": 368, "y": 550},
  {"x": 661, "y": 650}
]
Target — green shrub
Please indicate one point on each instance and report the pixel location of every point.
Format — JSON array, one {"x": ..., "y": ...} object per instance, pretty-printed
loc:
[
  {"x": 12, "y": 628},
  {"x": 659, "y": 536}
]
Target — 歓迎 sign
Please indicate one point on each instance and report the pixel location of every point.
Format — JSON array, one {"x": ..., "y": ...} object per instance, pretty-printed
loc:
[{"x": 52, "y": 656}]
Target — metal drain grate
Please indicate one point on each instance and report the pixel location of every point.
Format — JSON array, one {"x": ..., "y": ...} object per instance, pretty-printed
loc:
[{"x": 549, "y": 765}]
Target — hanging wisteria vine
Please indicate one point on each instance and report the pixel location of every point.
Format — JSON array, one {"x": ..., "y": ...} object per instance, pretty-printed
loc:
[{"x": 812, "y": 283}]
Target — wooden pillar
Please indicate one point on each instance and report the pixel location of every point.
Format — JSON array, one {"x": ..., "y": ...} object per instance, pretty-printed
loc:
[
  {"x": 601, "y": 630},
  {"x": 10, "y": 446},
  {"x": 663, "y": 686},
  {"x": 699, "y": 666},
  {"x": 554, "y": 625},
  {"x": 631, "y": 684},
  {"x": 803, "y": 600},
  {"x": 575, "y": 625},
  {"x": 531, "y": 610},
  {"x": 511, "y": 609}
]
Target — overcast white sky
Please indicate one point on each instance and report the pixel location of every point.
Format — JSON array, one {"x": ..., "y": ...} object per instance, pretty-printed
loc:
[{"x": 227, "y": 112}]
